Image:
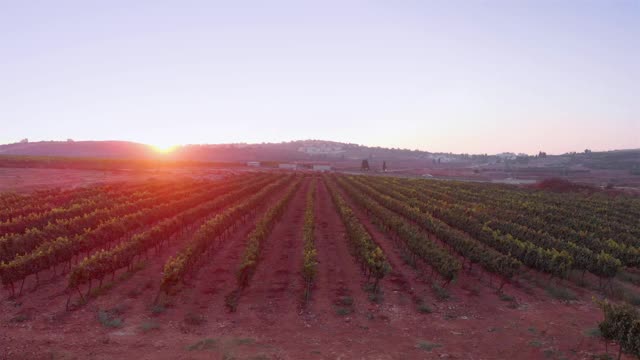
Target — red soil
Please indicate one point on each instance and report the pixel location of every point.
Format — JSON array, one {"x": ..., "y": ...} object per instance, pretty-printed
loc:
[{"x": 272, "y": 322}]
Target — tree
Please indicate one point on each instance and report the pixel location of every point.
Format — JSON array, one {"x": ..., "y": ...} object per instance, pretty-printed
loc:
[
  {"x": 379, "y": 266},
  {"x": 365, "y": 165},
  {"x": 384, "y": 166},
  {"x": 621, "y": 324}
]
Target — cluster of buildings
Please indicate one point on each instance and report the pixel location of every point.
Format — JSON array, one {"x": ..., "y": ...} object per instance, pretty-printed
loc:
[
  {"x": 322, "y": 149},
  {"x": 315, "y": 166}
]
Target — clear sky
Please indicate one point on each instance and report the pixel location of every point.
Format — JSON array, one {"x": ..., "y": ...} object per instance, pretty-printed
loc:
[{"x": 460, "y": 76}]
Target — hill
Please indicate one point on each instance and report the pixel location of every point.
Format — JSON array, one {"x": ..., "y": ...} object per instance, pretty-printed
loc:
[
  {"x": 92, "y": 149},
  {"x": 285, "y": 151},
  {"x": 626, "y": 161}
]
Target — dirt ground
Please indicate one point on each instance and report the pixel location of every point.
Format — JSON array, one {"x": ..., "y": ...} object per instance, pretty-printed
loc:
[{"x": 340, "y": 322}]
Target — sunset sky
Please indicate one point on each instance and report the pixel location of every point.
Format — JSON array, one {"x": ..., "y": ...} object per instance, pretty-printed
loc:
[{"x": 457, "y": 76}]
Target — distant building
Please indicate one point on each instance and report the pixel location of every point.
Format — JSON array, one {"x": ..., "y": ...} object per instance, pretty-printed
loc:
[
  {"x": 287, "y": 166},
  {"x": 322, "y": 149},
  {"x": 318, "y": 167},
  {"x": 253, "y": 163},
  {"x": 507, "y": 156}
]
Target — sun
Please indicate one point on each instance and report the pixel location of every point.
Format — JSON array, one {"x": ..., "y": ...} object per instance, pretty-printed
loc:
[{"x": 163, "y": 149}]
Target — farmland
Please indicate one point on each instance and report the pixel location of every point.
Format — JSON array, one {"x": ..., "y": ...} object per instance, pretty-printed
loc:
[{"x": 300, "y": 265}]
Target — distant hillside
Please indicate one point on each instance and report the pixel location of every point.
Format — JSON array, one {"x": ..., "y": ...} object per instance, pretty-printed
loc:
[
  {"x": 286, "y": 151},
  {"x": 335, "y": 152},
  {"x": 303, "y": 150},
  {"x": 93, "y": 149}
]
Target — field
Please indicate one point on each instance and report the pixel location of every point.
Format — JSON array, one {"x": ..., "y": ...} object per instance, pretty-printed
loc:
[{"x": 262, "y": 265}]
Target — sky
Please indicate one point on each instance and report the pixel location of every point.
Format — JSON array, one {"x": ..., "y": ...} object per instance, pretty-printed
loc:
[{"x": 453, "y": 76}]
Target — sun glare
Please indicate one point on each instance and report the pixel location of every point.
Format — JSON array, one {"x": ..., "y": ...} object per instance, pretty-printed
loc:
[{"x": 163, "y": 149}]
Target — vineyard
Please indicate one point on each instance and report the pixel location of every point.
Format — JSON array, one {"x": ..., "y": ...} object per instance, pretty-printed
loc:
[{"x": 302, "y": 265}]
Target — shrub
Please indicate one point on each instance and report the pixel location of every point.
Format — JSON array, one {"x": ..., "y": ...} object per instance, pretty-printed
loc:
[
  {"x": 505, "y": 297},
  {"x": 194, "y": 319},
  {"x": 158, "y": 309},
  {"x": 621, "y": 324},
  {"x": 424, "y": 308},
  {"x": 205, "y": 344},
  {"x": 149, "y": 325},
  {"x": 561, "y": 293},
  {"x": 342, "y": 311},
  {"x": 427, "y": 346},
  {"x": 441, "y": 293},
  {"x": 231, "y": 300},
  {"x": 108, "y": 319}
]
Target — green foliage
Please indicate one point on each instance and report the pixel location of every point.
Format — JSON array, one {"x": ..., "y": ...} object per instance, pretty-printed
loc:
[
  {"x": 505, "y": 297},
  {"x": 427, "y": 346},
  {"x": 606, "y": 265},
  {"x": 260, "y": 233},
  {"x": 440, "y": 292},
  {"x": 424, "y": 308},
  {"x": 633, "y": 299},
  {"x": 629, "y": 277},
  {"x": 20, "y": 318},
  {"x": 403, "y": 203},
  {"x": 417, "y": 243},
  {"x": 231, "y": 300},
  {"x": 344, "y": 305},
  {"x": 243, "y": 341},
  {"x": 601, "y": 357},
  {"x": 204, "y": 344},
  {"x": 365, "y": 165},
  {"x": 342, "y": 311},
  {"x": 621, "y": 324},
  {"x": 594, "y": 332},
  {"x": 158, "y": 309},
  {"x": 194, "y": 319},
  {"x": 376, "y": 296},
  {"x": 234, "y": 206},
  {"x": 535, "y": 343},
  {"x": 368, "y": 254},
  {"x": 310, "y": 254},
  {"x": 109, "y": 318},
  {"x": 149, "y": 325},
  {"x": 561, "y": 293},
  {"x": 539, "y": 229},
  {"x": 345, "y": 301},
  {"x": 61, "y": 240}
]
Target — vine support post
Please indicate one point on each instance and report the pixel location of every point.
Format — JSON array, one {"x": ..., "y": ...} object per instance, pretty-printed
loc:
[
  {"x": 21, "y": 286},
  {"x": 80, "y": 293}
]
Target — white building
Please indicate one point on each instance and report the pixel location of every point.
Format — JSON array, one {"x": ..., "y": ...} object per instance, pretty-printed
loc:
[
  {"x": 317, "y": 167},
  {"x": 287, "y": 166},
  {"x": 507, "y": 156},
  {"x": 322, "y": 149},
  {"x": 253, "y": 163}
]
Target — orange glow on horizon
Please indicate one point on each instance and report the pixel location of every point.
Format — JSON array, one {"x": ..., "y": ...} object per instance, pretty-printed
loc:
[{"x": 163, "y": 149}]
